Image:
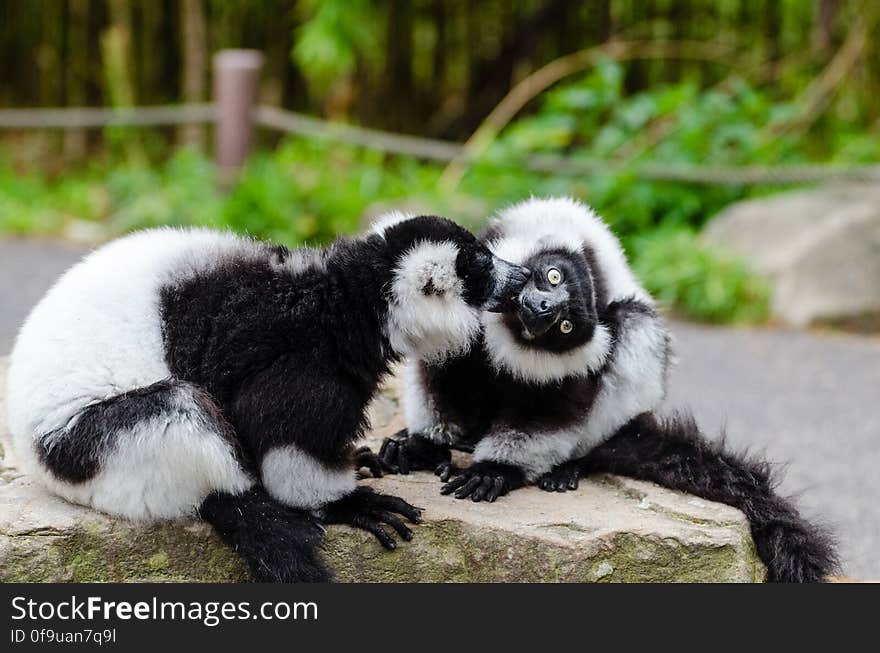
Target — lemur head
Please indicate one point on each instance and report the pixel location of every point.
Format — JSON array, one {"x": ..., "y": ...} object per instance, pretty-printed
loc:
[
  {"x": 443, "y": 279},
  {"x": 556, "y": 310},
  {"x": 555, "y": 328}
]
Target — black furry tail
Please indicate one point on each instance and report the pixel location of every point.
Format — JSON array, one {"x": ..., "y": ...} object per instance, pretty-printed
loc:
[
  {"x": 279, "y": 544},
  {"x": 674, "y": 454}
]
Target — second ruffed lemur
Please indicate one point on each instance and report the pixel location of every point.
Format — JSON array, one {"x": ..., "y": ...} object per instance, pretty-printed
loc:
[{"x": 567, "y": 381}]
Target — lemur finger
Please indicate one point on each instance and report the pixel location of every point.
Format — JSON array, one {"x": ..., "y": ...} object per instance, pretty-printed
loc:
[
  {"x": 454, "y": 484},
  {"x": 573, "y": 482},
  {"x": 398, "y": 505},
  {"x": 445, "y": 471},
  {"x": 371, "y": 525},
  {"x": 468, "y": 487},
  {"x": 483, "y": 489},
  {"x": 402, "y": 460},
  {"x": 496, "y": 490},
  {"x": 388, "y": 455},
  {"x": 389, "y": 518}
]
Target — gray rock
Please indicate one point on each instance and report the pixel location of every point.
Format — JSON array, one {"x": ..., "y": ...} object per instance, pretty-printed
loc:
[
  {"x": 820, "y": 248},
  {"x": 612, "y": 529}
]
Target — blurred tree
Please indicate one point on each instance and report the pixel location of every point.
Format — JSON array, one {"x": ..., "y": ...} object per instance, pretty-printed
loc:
[{"x": 435, "y": 67}]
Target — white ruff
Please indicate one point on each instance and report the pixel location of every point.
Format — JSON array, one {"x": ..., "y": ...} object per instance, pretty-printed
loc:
[
  {"x": 430, "y": 326},
  {"x": 296, "y": 479},
  {"x": 535, "y": 365}
]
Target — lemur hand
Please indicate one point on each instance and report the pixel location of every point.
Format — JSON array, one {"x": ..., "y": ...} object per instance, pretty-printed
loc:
[
  {"x": 368, "y": 510},
  {"x": 364, "y": 457},
  {"x": 561, "y": 478},
  {"x": 483, "y": 481},
  {"x": 403, "y": 453}
]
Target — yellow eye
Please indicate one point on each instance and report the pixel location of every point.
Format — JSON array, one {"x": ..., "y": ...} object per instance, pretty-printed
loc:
[
  {"x": 554, "y": 276},
  {"x": 566, "y": 326}
]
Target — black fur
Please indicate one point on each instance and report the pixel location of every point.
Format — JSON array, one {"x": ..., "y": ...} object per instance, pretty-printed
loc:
[
  {"x": 279, "y": 544},
  {"x": 673, "y": 453},
  {"x": 296, "y": 359}
]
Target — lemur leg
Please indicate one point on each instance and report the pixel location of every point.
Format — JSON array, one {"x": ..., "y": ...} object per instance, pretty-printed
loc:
[
  {"x": 303, "y": 448},
  {"x": 166, "y": 451}
]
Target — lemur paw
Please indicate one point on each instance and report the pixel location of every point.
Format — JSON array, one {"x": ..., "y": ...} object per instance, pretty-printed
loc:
[
  {"x": 484, "y": 481},
  {"x": 403, "y": 453},
  {"x": 364, "y": 457},
  {"x": 369, "y": 510},
  {"x": 561, "y": 478}
]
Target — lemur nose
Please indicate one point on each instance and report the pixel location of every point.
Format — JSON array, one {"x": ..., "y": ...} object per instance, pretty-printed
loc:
[{"x": 537, "y": 304}]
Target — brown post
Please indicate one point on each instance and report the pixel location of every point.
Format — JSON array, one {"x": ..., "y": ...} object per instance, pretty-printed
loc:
[{"x": 236, "y": 77}]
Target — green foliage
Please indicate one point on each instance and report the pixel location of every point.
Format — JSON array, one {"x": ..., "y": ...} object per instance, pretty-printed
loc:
[
  {"x": 336, "y": 35},
  {"x": 310, "y": 190},
  {"x": 701, "y": 283}
]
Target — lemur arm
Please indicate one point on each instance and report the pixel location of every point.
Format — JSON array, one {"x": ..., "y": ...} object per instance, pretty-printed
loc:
[
  {"x": 633, "y": 381},
  {"x": 299, "y": 430}
]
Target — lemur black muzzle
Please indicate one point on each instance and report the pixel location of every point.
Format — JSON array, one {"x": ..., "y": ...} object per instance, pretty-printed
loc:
[
  {"x": 540, "y": 309},
  {"x": 510, "y": 279}
]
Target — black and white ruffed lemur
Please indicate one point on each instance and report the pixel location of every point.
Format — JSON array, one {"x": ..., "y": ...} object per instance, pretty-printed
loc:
[
  {"x": 176, "y": 373},
  {"x": 567, "y": 382}
]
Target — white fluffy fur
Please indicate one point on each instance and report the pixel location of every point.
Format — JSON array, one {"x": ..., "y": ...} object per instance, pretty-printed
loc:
[
  {"x": 633, "y": 384},
  {"x": 296, "y": 479},
  {"x": 417, "y": 409},
  {"x": 389, "y": 220},
  {"x": 534, "y": 453},
  {"x": 529, "y": 364},
  {"x": 539, "y": 223},
  {"x": 430, "y": 326},
  {"x": 97, "y": 334}
]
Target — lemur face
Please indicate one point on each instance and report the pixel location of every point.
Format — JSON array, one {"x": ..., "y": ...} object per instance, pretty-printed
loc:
[
  {"x": 556, "y": 309},
  {"x": 443, "y": 278}
]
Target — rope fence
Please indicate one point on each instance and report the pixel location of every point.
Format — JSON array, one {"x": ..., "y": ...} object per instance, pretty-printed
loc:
[{"x": 426, "y": 148}]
